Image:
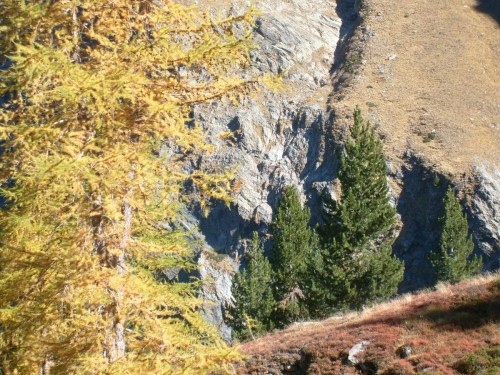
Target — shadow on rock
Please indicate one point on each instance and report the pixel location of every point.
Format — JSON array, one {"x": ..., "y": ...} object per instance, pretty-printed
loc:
[
  {"x": 224, "y": 227},
  {"x": 419, "y": 205},
  {"x": 490, "y": 7}
]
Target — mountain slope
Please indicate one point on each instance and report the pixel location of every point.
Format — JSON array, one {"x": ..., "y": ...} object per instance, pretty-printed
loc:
[
  {"x": 453, "y": 329},
  {"x": 425, "y": 73},
  {"x": 430, "y": 78}
]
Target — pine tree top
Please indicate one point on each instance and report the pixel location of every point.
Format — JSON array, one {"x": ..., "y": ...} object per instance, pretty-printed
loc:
[
  {"x": 363, "y": 212},
  {"x": 290, "y": 230},
  {"x": 252, "y": 293}
]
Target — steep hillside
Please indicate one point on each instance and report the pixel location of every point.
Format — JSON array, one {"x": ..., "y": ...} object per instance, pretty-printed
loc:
[
  {"x": 429, "y": 77},
  {"x": 425, "y": 73},
  {"x": 447, "y": 331}
]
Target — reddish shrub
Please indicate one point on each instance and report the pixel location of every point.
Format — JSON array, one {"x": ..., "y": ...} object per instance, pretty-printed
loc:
[
  {"x": 400, "y": 367},
  {"x": 419, "y": 341}
]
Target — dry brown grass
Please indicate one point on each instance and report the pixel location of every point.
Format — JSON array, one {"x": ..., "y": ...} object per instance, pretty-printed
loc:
[
  {"x": 431, "y": 80},
  {"x": 440, "y": 326}
]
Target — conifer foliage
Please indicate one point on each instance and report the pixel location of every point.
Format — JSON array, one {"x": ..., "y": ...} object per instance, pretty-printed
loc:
[
  {"x": 293, "y": 244},
  {"x": 357, "y": 264},
  {"x": 253, "y": 294},
  {"x": 365, "y": 212},
  {"x": 95, "y": 90},
  {"x": 453, "y": 261}
]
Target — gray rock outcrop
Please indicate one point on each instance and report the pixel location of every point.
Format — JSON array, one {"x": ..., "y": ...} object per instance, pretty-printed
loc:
[
  {"x": 280, "y": 138},
  {"x": 286, "y": 138},
  {"x": 355, "y": 352},
  {"x": 485, "y": 211},
  {"x": 216, "y": 273}
]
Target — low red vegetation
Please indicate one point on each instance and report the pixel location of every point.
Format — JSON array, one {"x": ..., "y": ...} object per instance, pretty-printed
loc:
[{"x": 436, "y": 328}]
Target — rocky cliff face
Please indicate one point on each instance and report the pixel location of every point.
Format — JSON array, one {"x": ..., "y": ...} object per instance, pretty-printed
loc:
[
  {"x": 290, "y": 137},
  {"x": 281, "y": 138},
  {"x": 485, "y": 213}
]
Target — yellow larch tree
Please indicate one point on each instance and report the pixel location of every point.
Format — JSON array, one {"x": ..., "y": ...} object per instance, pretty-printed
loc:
[{"x": 96, "y": 100}]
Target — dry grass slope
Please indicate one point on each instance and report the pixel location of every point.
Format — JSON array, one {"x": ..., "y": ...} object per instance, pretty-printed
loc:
[
  {"x": 454, "y": 329},
  {"x": 430, "y": 78}
]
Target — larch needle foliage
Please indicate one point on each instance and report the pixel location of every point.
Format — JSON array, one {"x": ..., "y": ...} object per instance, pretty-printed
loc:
[{"x": 96, "y": 100}]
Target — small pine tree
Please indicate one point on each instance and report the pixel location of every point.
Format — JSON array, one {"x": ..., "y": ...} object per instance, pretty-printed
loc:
[
  {"x": 252, "y": 292},
  {"x": 293, "y": 243},
  {"x": 365, "y": 212},
  {"x": 357, "y": 261},
  {"x": 453, "y": 261}
]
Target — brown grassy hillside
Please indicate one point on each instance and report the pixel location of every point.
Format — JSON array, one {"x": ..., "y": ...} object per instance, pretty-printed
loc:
[
  {"x": 454, "y": 329},
  {"x": 429, "y": 77}
]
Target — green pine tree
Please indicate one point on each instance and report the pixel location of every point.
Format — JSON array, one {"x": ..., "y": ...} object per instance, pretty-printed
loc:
[
  {"x": 357, "y": 265},
  {"x": 453, "y": 261},
  {"x": 252, "y": 292},
  {"x": 293, "y": 244},
  {"x": 381, "y": 272},
  {"x": 365, "y": 212},
  {"x": 327, "y": 287}
]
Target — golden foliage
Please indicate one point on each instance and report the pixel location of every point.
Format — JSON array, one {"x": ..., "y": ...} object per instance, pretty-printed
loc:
[{"x": 95, "y": 91}]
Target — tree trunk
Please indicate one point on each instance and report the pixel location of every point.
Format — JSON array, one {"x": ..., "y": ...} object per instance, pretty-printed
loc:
[{"x": 116, "y": 333}]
